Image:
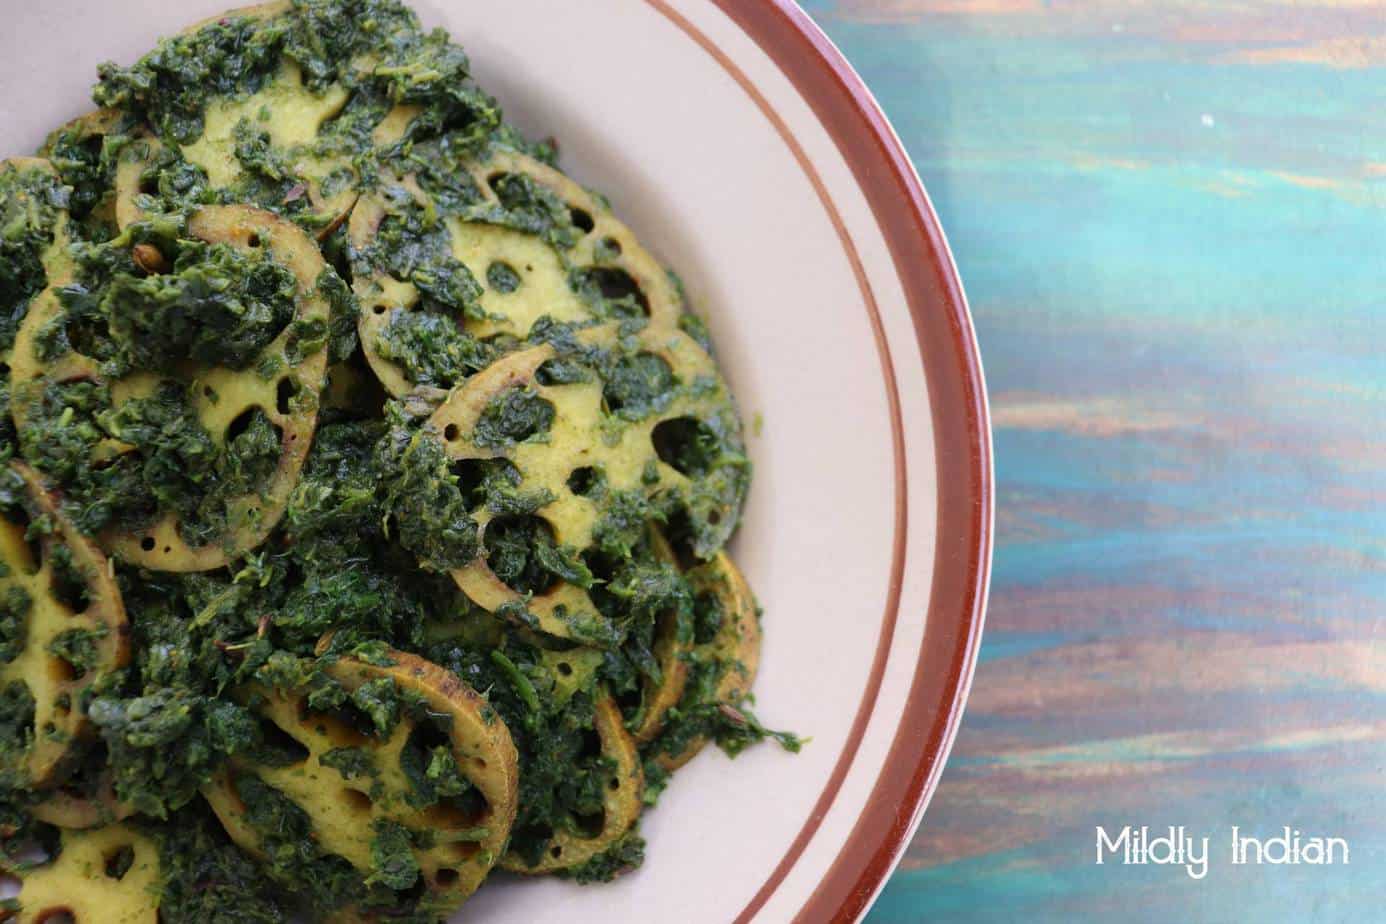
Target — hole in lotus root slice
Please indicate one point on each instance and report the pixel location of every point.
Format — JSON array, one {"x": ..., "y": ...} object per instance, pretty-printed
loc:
[
  {"x": 572, "y": 671},
  {"x": 622, "y": 802},
  {"x": 352, "y": 391},
  {"x": 104, "y": 875},
  {"x": 468, "y": 832},
  {"x": 43, "y": 626},
  {"x": 222, "y": 396},
  {"x": 582, "y": 220},
  {"x": 723, "y": 598},
  {"x": 583, "y": 435}
]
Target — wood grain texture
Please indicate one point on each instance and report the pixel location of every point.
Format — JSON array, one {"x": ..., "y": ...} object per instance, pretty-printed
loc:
[{"x": 1169, "y": 220}]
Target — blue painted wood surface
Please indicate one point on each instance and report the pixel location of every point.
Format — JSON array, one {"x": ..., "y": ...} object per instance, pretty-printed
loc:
[{"x": 1169, "y": 220}]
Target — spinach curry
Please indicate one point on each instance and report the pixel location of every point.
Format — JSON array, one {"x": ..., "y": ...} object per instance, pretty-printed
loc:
[{"x": 363, "y": 494}]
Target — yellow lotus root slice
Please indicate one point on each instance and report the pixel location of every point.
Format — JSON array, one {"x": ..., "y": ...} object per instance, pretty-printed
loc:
[
  {"x": 659, "y": 698},
  {"x": 296, "y": 116},
  {"x": 137, "y": 180},
  {"x": 287, "y": 112},
  {"x": 573, "y": 671},
  {"x": 89, "y": 126},
  {"x": 31, "y": 194},
  {"x": 100, "y": 876},
  {"x": 327, "y": 184},
  {"x": 382, "y": 296},
  {"x": 78, "y": 149},
  {"x": 344, "y": 811},
  {"x": 622, "y": 801},
  {"x": 221, "y": 396},
  {"x": 734, "y": 651},
  {"x": 669, "y": 652},
  {"x": 577, "y": 440},
  {"x": 606, "y": 245},
  {"x": 59, "y": 597},
  {"x": 28, "y": 371},
  {"x": 70, "y": 807},
  {"x": 523, "y": 276}
]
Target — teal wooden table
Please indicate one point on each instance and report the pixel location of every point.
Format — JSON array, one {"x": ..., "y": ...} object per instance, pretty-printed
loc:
[{"x": 1169, "y": 218}]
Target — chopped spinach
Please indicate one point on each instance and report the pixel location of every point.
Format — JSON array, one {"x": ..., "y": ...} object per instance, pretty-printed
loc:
[
  {"x": 515, "y": 415},
  {"x": 217, "y": 305}
]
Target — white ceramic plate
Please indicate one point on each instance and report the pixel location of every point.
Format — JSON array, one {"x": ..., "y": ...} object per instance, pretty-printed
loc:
[{"x": 736, "y": 141}]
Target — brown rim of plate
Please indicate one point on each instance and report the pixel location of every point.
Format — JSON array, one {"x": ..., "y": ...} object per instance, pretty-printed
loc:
[{"x": 962, "y": 440}]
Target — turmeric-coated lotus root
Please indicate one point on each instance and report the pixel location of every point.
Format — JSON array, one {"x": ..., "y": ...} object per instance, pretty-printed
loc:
[
  {"x": 594, "y": 431},
  {"x": 82, "y": 803},
  {"x": 661, "y": 693},
  {"x": 62, "y": 628},
  {"x": 606, "y": 256},
  {"x": 269, "y": 142},
  {"x": 84, "y": 152},
  {"x": 33, "y": 247},
  {"x": 88, "y": 131},
  {"x": 100, "y": 876},
  {"x": 357, "y": 782},
  {"x": 622, "y": 802},
  {"x": 725, "y": 654},
  {"x": 509, "y": 241},
  {"x": 273, "y": 394}
]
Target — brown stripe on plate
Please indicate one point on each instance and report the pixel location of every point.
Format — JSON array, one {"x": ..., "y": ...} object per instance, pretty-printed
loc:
[{"x": 957, "y": 399}]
